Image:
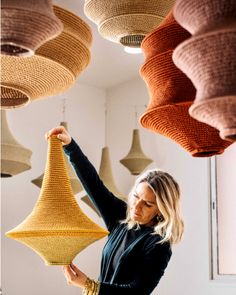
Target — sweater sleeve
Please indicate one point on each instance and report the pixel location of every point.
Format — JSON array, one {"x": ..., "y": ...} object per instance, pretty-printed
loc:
[{"x": 110, "y": 207}]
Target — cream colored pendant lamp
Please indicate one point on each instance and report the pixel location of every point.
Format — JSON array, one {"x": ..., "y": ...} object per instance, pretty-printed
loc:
[
  {"x": 57, "y": 229},
  {"x": 15, "y": 158},
  {"x": 136, "y": 161},
  {"x": 126, "y": 21},
  {"x": 74, "y": 181}
]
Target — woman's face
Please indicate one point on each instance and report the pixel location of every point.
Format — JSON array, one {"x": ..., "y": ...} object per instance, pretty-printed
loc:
[{"x": 143, "y": 207}]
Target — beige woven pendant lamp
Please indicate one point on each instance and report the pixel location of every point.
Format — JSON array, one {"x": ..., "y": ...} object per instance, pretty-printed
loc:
[
  {"x": 126, "y": 21},
  {"x": 74, "y": 181},
  {"x": 136, "y": 161},
  {"x": 15, "y": 158},
  {"x": 57, "y": 229},
  {"x": 26, "y": 25},
  {"x": 54, "y": 67}
]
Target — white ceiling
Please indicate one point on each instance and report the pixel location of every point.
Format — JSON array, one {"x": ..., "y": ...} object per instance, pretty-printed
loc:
[{"x": 109, "y": 65}]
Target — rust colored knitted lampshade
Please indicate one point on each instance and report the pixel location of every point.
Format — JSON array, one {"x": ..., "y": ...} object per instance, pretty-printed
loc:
[
  {"x": 57, "y": 229},
  {"x": 198, "y": 16},
  {"x": 15, "y": 158},
  {"x": 136, "y": 161},
  {"x": 26, "y": 25},
  {"x": 74, "y": 181},
  {"x": 126, "y": 22},
  {"x": 53, "y": 68},
  {"x": 172, "y": 93}
]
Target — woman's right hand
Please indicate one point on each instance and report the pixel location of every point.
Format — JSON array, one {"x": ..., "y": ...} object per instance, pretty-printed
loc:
[{"x": 61, "y": 134}]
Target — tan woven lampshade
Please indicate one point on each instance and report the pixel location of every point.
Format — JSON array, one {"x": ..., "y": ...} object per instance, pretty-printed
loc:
[
  {"x": 57, "y": 229},
  {"x": 136, "y": 161},
  {"x": 26, "y": 25},
  {"x": 74, "y": 181},
  {"x": 15, "y": 158},
  {"x": 126, "y": 21},
  {"x": 106, "y": 175},
  {"x": 53, "y": 68}
]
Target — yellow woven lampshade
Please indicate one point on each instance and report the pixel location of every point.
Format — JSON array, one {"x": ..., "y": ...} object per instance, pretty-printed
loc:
[
  {"x": 57, "y": 229},
  {"x": 15, "y": 158},
  {"x": 74, "y": 181},
  {"x": 26, "y": 25},
  {"x": 53, "y": 68},
  {"x": 126, "y": 21},
  {"x": 136, "y": 161}
]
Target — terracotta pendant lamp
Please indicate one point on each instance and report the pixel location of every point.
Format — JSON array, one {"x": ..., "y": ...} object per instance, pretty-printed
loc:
[
  {"x": 54, "y": 67},
  {"x": 172, "y": 93},
  {"x": 26, "y": 25},
  {"x": 136, "y": 161},
  {"x": 57, "y": 229},
  {"x": 15, "y": 158},
  {"x": 208, "y": 58},
  {"x": 74, "y": 181},
  {"x": 126, "y": 21},
  {"x": 106, "y": 175}
]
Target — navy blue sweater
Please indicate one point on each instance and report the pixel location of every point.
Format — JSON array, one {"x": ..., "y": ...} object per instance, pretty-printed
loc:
[{"x": 142, "y": 261}]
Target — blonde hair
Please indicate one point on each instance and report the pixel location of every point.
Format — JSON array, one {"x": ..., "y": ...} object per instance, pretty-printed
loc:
[{"x": 169, "y": 224}]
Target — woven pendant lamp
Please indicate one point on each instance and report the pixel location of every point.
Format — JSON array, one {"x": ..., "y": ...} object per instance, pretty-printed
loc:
[
  {"x": 208, "y": 59},
  {"x": 15, "y": 158},
  {"x": 172, "y": 93},
  {"x": 54, "y": 67},
  {"x": 74, "y": 181},
  {"x": 26, "y": 25},
  {"x": 136, "y": 161},
  {"x": 57, "y": 229},
  {"x": 126, "y": 21}
]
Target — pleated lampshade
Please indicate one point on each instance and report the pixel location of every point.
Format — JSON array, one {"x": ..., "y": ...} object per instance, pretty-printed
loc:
[
  {"x": 74, "y": 181},
  {"x": 172, "y": 93},
  {"x": 57, "y": 229},
  {"x": 208, "y": 59},
  {"x": 106, "y": 175},
  {"x": 26, "y": 25},
  {"x": 54, "y": 67},
  {"x": 136, "y": 161},
  {"x": 126, "y": 22},
  {"x": 15, "y": 158}
]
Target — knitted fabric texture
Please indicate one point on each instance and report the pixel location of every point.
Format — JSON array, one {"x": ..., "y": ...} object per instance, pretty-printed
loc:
[
  {"x": 53, "y": 68},
  {"x": 126, "y": 22},
  {"x": 208, "y": 59},
  {"x": 171, "y": 94},
  {"x": 26, "y": 25},
  {"x": 57, "y": 229}
]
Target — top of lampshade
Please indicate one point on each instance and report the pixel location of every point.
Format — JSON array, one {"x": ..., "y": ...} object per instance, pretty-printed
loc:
[
  {"x": 26, "y": 25},
  {"x": 200, "y": 16},
  {"x": 126, "y": 22}
]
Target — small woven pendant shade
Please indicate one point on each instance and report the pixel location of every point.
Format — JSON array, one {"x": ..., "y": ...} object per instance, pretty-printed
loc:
[
  {"x": 209, "y": 60},
  {"x": 136, "y": 161},
  {"x": 15, "y": 158},
  {"x": 74, "y": 181},
  {"x": 57, "y": 229},
  {"x": 54, "y": 67},
  {"x": 106, "y": 175},
  {"x": 126, "y": 21},
  {"x": 26, "y": 25}
]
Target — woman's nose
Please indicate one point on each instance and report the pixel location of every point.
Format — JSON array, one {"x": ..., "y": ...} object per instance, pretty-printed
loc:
[{"x": 138, "y": 205}]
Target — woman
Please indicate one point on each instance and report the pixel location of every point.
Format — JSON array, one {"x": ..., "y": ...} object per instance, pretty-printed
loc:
[{"x": 141, "y": 232}]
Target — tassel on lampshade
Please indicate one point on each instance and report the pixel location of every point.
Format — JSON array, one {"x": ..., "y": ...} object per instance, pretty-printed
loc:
[
  {"x": 208, "y": 58},
  {"x": 26, "y": 25},
  {"x": 74, "y": 181},
  {"x": 54, "y": 67},
  {"x": 126, "y": 22},
  {"x": 57, "y": 229},
  {"x": 15, "y": 158},
  {"x": 136, "y": 161}
]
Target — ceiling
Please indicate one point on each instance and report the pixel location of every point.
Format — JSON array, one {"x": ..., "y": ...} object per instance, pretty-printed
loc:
[{"x": 109, "y": 65}]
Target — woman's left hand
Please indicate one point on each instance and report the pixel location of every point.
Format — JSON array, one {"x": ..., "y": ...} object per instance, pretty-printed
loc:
[{"x": 74, "y": 276}]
